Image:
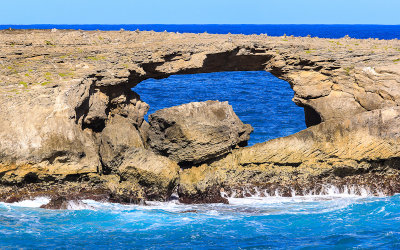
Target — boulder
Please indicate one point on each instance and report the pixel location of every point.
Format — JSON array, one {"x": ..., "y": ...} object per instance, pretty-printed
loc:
[
  {"x": 197, "y": 132},
  {"x": 156, "y": 175},
  {"x": 131, "y": 172},
  {"x": 118, "y": 136}
]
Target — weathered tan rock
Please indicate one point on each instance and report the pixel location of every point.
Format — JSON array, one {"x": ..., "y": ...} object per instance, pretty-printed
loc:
[
  {"x": 200, "y": 185},
  {"x": 118, "y": 137},
  {"x": 157, "y": 175},
  {"x": 358, "y": 153},
  {"x": 123, "y": 191},
  {"x": 197, "y": 131},
  {"x": 59, "y": 92},
  {"x": 37, "y": 131}
]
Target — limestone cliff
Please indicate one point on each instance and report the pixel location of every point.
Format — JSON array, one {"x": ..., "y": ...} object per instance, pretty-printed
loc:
[{"x": 71, "y": 124}]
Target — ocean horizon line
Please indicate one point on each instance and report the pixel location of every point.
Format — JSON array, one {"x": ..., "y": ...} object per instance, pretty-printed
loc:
[{"x": 223, "y": 24}]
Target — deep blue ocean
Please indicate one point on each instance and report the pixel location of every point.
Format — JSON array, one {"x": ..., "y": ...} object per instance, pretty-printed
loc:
[
  {"x": 321, "y": 30},
  {"x": 337, "y": 220},
  {"x": 257, "y": 97}
]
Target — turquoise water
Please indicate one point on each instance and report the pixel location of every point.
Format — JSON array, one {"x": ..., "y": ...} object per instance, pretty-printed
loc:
[
  {"x": 250, "y": 223},
  {"x": 330, "y": 221}
]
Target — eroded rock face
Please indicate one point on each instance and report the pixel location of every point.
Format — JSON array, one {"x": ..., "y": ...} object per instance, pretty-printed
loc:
[
  {"x": 359, "y": 154},
  {"x": 118, "y": 137},
  {"x": 197, "y": 132},
  {"x": 157, "y": 175},
  {"x": 200, "y": 185},
  {"x": 70, "y": 123}
]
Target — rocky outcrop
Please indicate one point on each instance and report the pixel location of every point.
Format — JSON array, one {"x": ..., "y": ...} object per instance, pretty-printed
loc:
[
  {"x": 157, "y": 175},
  {"x": 62, "y": 202},
  {"x": 197, "y": 132},
  {"x": 118, "y": 137},
  {"x": 66, "y": 104},
  {"x": 359, "y": 154}
]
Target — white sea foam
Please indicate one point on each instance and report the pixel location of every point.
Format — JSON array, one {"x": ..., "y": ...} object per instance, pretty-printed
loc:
[
  {"x": 37, "y": 202},
  {"x": 326, "y": 192},
  {"x": 329, "y": 198},
  {"x": 246, "y": 206},
  {"x": 97, "y": 205},
  {"x": 213, "y": 212},
  {"x": 78, "y": 205}
]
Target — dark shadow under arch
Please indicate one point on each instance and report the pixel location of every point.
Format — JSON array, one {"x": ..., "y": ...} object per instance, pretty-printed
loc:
[{"x": 311, "y": 116}]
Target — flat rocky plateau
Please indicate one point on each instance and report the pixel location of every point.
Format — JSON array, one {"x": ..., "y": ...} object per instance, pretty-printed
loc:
[{"x": 72, "y": 128}]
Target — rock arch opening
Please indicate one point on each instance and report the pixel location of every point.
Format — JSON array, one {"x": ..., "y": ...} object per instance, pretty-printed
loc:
[{"x": 257, "y": 97}]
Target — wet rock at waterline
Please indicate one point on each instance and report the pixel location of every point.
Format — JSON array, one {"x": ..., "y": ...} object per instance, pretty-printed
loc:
[
  {"x": 197, "y": 132},
  {"x": 71, "y": 124},
  {"x": 137, "y": 174},
  {"x": 59, "y": 202},
  {"x": 157, "y": 175},
  {"x": 360, "y": 154},
  {"x": 62, "y": 202}
]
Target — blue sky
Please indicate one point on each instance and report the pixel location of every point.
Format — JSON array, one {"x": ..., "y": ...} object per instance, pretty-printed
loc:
[{"x": 200, "y": 12}]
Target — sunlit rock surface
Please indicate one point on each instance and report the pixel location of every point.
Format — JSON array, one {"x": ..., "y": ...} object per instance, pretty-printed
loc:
[
  {"x": 197, "y": 132},
  {"x": 66, "y": 105}
]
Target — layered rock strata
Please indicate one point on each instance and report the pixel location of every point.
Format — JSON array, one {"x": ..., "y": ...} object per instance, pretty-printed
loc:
[{"x": 71, "y": 126}]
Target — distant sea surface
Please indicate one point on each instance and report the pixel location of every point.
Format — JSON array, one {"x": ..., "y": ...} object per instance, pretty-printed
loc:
[
  {"x": 324, "y": 31},
  {"x": 257, "y": 97},
  {"x": 337, "y": 220}
]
